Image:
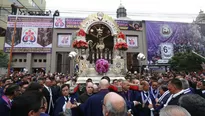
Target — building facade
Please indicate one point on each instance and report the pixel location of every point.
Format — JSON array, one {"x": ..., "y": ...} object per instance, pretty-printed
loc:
[{"x": 5, "y": 10}]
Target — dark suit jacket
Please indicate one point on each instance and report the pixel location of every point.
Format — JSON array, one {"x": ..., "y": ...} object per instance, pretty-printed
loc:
[
  {"x": 47, "y": 96},
  {"x": 175, "y": 101},
  {"x": 59, "y": 106},
  {"x": 145, "y": 111},
  {"x": 56, "y": 92},
  {"x": 83, "y": 97},
  {"x": 93, "y": 106},
  {"x": 4, "y": 108}
]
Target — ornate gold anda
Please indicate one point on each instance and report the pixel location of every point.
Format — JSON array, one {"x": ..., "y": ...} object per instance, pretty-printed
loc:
[{"x": 100, "y": 18}]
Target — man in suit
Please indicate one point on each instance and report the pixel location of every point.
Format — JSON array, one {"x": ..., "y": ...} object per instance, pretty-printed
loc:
[
  {"x": 175, "y": 88},
  {"x": 147, "y": 103},
  {"x": 47, "y": 92},
  {"x": 93, "y": 106},
  {"x": 11, "y": 92},
  {"x": 28, "y": 104},
  {"x": 87, "y": 94}
]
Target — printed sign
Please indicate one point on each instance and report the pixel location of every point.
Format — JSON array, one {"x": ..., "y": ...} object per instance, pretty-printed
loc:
[
  {"x": 132, "y": 41},
  {"x": 64, "y": 40},
  {"x": 33, "y": 34}
]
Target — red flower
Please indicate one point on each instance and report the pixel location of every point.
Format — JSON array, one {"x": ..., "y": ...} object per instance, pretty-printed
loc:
[
  {"x": 80, "y": 44},
  {"x": 121, "y": 46},
  {"x": 121, "y": 35},
  {"x": 81, "y": 32}
]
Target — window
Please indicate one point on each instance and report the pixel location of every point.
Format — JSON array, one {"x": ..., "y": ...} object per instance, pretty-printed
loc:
[
  {"x": 24, "y": 60},
  {"x": 44, "y": 60},
  {"x": 35, "y": 60},
  {"x": 20, "y": 60},
  {"x": 15, "y": 60},
  {"x": 40, "y": 60}
]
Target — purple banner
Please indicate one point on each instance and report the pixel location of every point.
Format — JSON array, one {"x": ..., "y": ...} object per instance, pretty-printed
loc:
[
  {"x": 164, "y": 39},
  {"x": 75, "y": 23}
]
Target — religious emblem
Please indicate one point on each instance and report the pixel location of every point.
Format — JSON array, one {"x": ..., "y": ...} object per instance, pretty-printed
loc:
[
  {"x": 100, "y": 15},
  {"x": 165, "y": 31}
]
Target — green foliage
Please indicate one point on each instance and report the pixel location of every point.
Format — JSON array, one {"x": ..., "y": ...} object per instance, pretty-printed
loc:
[
  {"x": 4, "y": 59},
  {"x": 188, "y": 62}
]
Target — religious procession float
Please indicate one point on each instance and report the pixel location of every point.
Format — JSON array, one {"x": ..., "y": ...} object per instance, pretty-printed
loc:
[{"x": 99, "y": 49}]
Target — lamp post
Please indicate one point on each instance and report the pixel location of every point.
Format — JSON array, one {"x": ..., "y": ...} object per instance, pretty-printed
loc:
[
  {"x": 141, "y": 57},
  {"x": 12, "y": 46}
]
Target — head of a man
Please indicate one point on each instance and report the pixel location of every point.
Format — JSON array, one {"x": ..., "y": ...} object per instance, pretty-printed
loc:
[
  {"x": 95, "y": 88},
  {"x": 162, "y": 89},
  {"x": 114, "y": 82},
  {"x": 48, "y": 82},
  {"x": 125, "y": 85},
  {"x": 154, "y": 85},
  {"x": 114, "y": 105},
  {"x": 89, "y": 88},
  {"x": 106, "y": 77},
  {"x": 104, "y": 84},
  {"x": 24, "y": 86},
  {"x": 145, "y": 85},
  {"x": 175, "y": 86},
  {"x": 28, "y": 104},
  {"x": 193, "y": 103},
  {"x": 7, "y": 81},
  {"x": 13, "y": 91},
  {"x": 65, "y": 89},
  {"x": 136, "y": 81},
  {"x": 185, "y": 83},
  {"x": 34, "y": 86},
  {"x": 174, "y": 110}
]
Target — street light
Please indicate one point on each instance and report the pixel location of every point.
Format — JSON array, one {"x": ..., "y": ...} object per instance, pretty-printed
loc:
[{"x": 141, "y": 57}]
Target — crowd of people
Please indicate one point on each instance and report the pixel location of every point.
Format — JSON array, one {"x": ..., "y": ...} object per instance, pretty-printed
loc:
[{"x": 39, "y": 94}]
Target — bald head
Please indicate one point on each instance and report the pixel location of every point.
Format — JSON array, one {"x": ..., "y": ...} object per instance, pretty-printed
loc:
[
  {"x": 104, "y": 84},
  {"x": 174, "y": 110},
  {"x": 114, "y": 105}
]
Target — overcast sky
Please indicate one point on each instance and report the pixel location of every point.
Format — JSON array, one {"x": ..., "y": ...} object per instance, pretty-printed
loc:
[{"x": 167, "y": 10}]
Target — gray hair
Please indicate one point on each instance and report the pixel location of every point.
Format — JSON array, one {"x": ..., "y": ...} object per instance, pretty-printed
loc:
[
  {"x": 185, "y": 83},
  {"x": 172, "y": 110},
  {"x": 114, "y": 112}
]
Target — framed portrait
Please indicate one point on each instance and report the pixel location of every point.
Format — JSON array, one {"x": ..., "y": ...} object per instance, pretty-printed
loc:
[
  {"x": 132, "y": 41},
  {"x": 64, "y": 40}
]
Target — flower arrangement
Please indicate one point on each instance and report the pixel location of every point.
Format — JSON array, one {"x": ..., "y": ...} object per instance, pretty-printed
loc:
[
  {"x": 101, "y": 66},
  {"x": 121, "y": 35},
  {"x": 81, "y": 32},
  {"x": 121, "y": 43},
  {"x": 80, "y": 42},
  {"x": 121, "y": 46}
]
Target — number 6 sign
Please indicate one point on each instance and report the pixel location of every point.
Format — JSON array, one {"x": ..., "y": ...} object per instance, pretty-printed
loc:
[{"x": 167, "y": 50}]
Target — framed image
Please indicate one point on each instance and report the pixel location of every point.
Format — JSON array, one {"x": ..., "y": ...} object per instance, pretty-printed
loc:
[
  {"x": 64, "y": 40},
  {"x": 132, "y": 41}
]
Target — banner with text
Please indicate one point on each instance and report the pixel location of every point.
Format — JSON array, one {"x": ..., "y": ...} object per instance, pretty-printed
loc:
[
  {"x": 61, "y": 22},
  {"x": 33, "y": 34},
  {"x": 164, "y": 39}
]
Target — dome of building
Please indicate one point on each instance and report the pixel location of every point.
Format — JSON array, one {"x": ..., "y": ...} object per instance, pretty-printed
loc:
[
  {"x": 121, "y": 11},
  {"x": 201, "y": 17}
]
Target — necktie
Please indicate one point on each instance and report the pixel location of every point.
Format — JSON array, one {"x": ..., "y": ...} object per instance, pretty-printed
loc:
[{"x": 67, "y": 98}]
